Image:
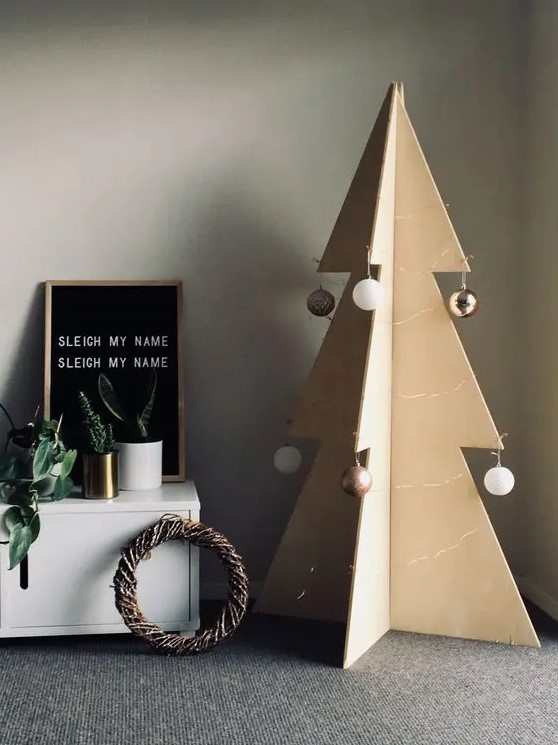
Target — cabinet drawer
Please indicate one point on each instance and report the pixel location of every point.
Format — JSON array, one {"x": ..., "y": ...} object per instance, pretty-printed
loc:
[{"x": 71, "y": 567}]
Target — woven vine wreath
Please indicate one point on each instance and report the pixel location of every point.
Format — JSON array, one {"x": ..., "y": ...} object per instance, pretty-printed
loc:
[{"x": 169, "y": 528}]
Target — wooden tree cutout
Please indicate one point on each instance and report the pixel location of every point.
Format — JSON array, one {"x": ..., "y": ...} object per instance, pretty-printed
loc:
[{"x": 418, "y": 553}]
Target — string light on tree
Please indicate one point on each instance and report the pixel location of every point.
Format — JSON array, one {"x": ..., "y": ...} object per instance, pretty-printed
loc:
[
  {"x": 287, "y": 459},
  {"x": 464, "y": 303},
  {"x": 368, "y": 294},
  {"x": 320, "y": 302},
  {"x": 499, "y": 480}
]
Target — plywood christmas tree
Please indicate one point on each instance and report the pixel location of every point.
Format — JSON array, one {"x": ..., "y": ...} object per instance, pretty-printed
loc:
[{"x": 394, "y": 388}]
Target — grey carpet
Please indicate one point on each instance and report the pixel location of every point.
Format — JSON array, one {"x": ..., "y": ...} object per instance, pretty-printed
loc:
[{"x": 274, "y": 684}]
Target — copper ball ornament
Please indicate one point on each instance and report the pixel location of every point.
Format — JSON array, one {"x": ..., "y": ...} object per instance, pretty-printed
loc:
[
  {"x": 356, "y": 481},
  {"x": 463, "y": 303},
  {"x": 320, "y": 302}
]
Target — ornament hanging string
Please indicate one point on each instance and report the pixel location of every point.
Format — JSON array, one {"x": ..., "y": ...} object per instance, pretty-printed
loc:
[
  {"x": 498, "y": 452},
  {"x": 499, "y": 480},
  {"x": 466, "y": 260}
]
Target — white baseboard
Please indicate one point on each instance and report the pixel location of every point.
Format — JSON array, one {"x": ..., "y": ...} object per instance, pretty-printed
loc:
[
  {"x": 539, "y": 597},
  {"x": 219, "y": 590}
]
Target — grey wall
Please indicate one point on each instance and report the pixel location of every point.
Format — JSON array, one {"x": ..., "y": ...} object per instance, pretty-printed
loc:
[
  {"x": 214, "y": 142},
  {"x": 537, "y": 349}
]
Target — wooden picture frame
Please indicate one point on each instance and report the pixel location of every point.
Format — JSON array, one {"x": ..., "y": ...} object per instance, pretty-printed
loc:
[{"x": 81, "y": 296}]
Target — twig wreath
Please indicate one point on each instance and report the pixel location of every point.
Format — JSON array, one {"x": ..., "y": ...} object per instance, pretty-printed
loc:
[{"x": 169, "y": 528}]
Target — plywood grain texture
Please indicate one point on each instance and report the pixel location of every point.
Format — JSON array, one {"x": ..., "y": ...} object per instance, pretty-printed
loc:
[
  {"x": 311, "y": 574},
  {"x": 418, "y": 553},
  {"x": 448, "y": 573},
  {"x": 369, "y": 602}
]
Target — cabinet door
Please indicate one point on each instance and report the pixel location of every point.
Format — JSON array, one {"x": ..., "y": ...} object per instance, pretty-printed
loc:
[{"x": 71, "y": 568}]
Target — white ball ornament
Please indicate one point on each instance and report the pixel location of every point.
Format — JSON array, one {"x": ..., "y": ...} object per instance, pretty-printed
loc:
[
  {"x": 287, "y": 459},
  {"x": 499, "y": 481},
  {"x": 368, "y": 294}
]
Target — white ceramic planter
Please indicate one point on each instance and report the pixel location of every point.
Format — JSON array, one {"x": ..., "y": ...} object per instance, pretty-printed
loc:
[{"x": 140, "y": 465}]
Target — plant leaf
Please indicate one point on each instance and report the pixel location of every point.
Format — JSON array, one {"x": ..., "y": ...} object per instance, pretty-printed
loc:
[
  {"x": 27, "y": 514},
  {"x": 141, "y": 427},
  {"x": 23, "y": 437},
  {"x": 13, "y": 517},
  {"x": 148, "y": 409},
  {"x": 43, "y": 460},
  {"x": 21, "y": 495},
  {"x": 10, "y": 467},
  {"x": 68, "y": 463},
  {"x": 49, "y": 425},
  {"x": 62, "y": 488},
  {"x": 59, "y": 452},
  {"x": 44, "y": 487},
  {"x": 35, "y": 527},
  {"x": 108, "y": 397},
  {"x": 20, "y": 540}
]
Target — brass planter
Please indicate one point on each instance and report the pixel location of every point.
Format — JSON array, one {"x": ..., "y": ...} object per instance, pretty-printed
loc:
[{"x": 100, "y": 475}]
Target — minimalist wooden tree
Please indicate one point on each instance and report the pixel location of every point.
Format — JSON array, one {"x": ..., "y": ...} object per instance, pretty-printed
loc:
[{"x": 394, "y": 388}]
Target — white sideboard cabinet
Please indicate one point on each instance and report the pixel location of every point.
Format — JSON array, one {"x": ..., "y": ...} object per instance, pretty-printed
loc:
[{"x": 66, "y": 586}]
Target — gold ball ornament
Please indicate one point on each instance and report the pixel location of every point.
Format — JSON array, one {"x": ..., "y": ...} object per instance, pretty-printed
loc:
[
  {"x": 464, "y": 303},
  {"x": 320, "y": 302},
  {"x": 356, "y": 481}
]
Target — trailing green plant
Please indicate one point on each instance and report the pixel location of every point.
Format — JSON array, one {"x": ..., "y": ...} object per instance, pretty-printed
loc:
[
  {"x": 40, "y": 467},
  {"x": 136, "y": 427},
  {"x": 100, "y": 437}
]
